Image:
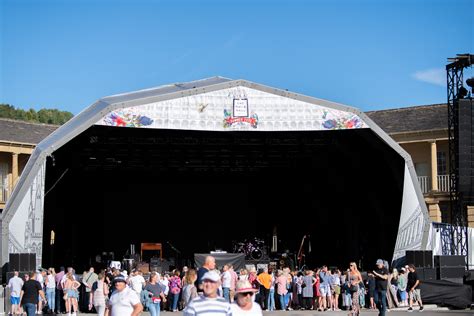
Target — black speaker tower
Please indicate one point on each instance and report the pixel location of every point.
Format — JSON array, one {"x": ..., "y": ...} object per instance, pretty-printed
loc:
[
  {"x": 460, "y": 151},
  {"x": 22, "y": 262}
]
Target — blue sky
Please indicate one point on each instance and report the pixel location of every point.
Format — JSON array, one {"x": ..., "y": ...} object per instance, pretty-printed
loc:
[{"x": 367, "y": 54}]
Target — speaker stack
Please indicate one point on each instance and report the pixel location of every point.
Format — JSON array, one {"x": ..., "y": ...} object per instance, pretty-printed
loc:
[
  {"x": 22, "y": 262},
  {"x": 450, "y": 268},
  {"x": 423, "y": 262},
  {"x": 465, "y": 152}
]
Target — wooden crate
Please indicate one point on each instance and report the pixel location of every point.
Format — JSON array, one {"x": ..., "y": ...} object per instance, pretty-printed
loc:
[{"x": 144, "y": 267}]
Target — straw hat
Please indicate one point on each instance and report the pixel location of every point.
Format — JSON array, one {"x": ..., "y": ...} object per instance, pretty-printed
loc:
[{"x": 244, "y": 286}]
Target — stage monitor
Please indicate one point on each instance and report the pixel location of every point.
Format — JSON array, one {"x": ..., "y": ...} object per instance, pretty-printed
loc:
[{"x": 236, "y": 259}]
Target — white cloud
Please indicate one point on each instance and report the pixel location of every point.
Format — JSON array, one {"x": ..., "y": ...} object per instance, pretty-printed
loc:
[{"x": 435, "y": 76}]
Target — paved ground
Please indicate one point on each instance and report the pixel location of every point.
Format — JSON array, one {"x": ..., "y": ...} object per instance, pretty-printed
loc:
[
  {"x": 364, "y": 312},
  {"x": 429, "y": 311}
]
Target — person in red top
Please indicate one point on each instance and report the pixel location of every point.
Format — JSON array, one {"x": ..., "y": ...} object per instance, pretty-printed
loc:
[{"x": 175, "y": 289}]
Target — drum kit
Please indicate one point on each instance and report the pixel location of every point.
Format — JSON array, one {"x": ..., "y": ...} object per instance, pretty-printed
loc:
[{"x": 253, "y": 249}]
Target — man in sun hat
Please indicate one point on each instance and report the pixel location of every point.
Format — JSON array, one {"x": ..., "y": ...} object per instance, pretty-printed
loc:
[
  {"x": 244, "y": 303},
  {"x": 124, "y": 301},
  {"x": 209, "y": 303}
]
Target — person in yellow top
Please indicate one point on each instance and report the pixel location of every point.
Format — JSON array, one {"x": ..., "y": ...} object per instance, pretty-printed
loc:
[{"x": 265, "y": 281}]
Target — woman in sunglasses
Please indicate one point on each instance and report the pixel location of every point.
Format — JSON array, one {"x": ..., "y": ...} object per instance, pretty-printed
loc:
[
  {"x": 354, "y": 279},
  {"x": 244, "y": 303}
]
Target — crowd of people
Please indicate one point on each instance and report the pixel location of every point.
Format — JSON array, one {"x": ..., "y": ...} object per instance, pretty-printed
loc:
[{"x": 244, "y": 292}]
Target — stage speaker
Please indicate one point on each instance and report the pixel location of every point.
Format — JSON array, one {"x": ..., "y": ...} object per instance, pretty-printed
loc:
[
  {"x": 449, "y": 261},
  {"x": 428, "y": 258},
  {"x": 419, "y": 258},
  {"x": 465, "y": 152},
  {"x": 27, "y": 261},
  {"x": 450, "y": 273},
  {"x": 32, "y": 261},
  {"x": 427, "y": 274},
  {"x": 14, "y": 263}
]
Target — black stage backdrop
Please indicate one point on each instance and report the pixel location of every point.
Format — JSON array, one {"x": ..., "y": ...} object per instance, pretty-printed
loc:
[
  {"x": 107, "y": 176},
  {"x": 236, "y": 259},
  {"x": 446, "y": 293}
]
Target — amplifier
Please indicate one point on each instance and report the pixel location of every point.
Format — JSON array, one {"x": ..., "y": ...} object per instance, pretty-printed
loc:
[
  {"x": 419, "y": 258},
  {"x": 22, "y": 262},
  {"x": 444, "y": 273},
  {"x": 449, "y": 261},
  {"x": 426, "y": 274}
]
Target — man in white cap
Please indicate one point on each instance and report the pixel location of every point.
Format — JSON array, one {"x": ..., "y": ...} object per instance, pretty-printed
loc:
[
  {"x": 381, "y": 284},
  {"x": 244, "y": 304},
  {"x": 209, "y": 303},
  {"x": 124, "y": 301}
]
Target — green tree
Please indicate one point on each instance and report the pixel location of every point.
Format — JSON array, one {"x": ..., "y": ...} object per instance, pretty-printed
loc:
[{"x": 47, "y": 116}]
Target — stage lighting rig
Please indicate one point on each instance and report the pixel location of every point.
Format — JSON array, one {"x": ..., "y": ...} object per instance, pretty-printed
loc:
[
  {"x": 462, "y": 92},
  {"x": 456, "y": 91},
  {"x": 470, "y": 83}
]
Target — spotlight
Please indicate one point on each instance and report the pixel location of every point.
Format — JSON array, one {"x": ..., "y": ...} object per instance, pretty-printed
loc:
[
  {"x": 462, "y": 93},
  {"x": 470, "y": 83}
]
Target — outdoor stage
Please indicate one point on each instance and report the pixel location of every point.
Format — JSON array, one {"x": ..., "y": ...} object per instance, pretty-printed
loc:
[{"x": 204, "y": 163}]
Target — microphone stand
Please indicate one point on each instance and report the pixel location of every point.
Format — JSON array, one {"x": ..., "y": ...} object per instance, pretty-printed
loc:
[
  {"x": 175, "y": 250},
  {"x": 301, "y": 254}
]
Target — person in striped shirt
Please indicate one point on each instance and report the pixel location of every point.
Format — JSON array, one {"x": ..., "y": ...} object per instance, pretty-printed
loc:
[{"x": 209, "y": 304}]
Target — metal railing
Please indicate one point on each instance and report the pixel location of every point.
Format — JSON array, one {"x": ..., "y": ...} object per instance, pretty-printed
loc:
[
  {"x": 443, "y": 183},
  {"x": 3, "y": 194},
  {"x": 425, "y": 183}
]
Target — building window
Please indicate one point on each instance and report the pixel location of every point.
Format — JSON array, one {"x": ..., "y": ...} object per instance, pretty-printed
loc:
[
  {"x": 442, "y": 167},
  {"x": 3, "y": 181},
  {"x": 422, "y": 169}
]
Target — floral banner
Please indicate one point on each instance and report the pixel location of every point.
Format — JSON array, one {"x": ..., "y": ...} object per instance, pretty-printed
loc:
[{"x": 238, "y": 108}]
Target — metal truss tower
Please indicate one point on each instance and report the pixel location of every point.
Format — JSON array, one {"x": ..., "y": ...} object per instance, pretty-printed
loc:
[{"x": 456, "y": 91}]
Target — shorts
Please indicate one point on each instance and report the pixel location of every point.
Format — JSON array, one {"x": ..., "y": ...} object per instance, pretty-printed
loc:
[
  {"x": 72, "y": 294},
  {"x": 325, "y": 290},
  {"x": 403, "y": 295},
  {"x": 336, "y": 289},
  {"x": 415, "y": 294},
  {"x": 14, "y": 300}
]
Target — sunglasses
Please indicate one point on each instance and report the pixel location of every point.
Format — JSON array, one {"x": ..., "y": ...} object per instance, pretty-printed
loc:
[{"x": 246, "y": 293}]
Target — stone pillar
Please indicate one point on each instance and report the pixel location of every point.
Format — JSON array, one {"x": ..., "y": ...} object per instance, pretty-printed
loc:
[
  {"x": 470, "y": 216},
  {"x": 434, "y": 212},
  {"x": 433, "y": 209},
  {"x": 14, "y": 169},
  {"x": 434, "y": 167}
]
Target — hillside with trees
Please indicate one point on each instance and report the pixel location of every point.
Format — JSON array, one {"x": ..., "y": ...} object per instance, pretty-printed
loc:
[{"x": 46, "y": 116}]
